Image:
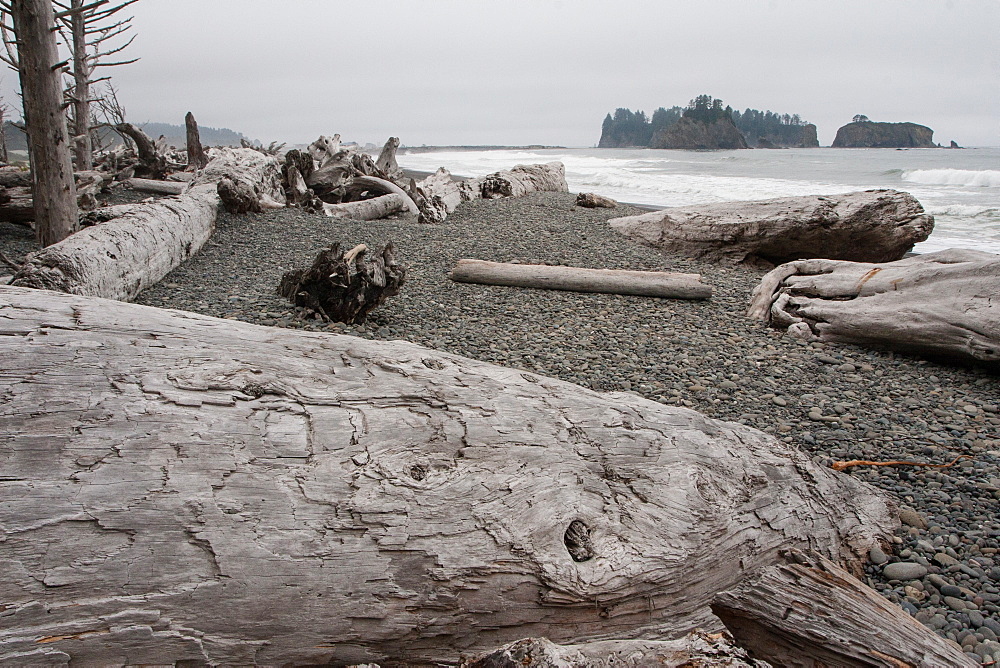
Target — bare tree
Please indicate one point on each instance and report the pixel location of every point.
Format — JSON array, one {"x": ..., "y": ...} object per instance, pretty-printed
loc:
[
  {"x": 37, "y": 60},
  {"x": 93, "y": 32}
]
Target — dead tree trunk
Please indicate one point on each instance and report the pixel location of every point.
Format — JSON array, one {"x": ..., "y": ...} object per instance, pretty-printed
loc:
[
  {"x": 578, "y": 279},
  {"x": 792, "y": 615},
  {"x": 119, "y": 258},
  {"x": 82, "y": 146},
  {"x": 386, "y": 162},
  {"x": 48, "y": 141},
  {"x": 940, "y": 303},
  {"x": 152, "y": 162},
  {"x": 184, "y": 488},
  {"x": 195, "y": 153},
  {"x": 345, "y": 287}
]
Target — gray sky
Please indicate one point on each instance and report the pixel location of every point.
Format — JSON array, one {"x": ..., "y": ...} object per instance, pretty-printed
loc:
[{"x": 547, "y": 71}]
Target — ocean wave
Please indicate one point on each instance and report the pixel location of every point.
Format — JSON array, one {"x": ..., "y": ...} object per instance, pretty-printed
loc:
[
  {"x": 987, "y": 178},
  {"x": 964, "y": 211}
]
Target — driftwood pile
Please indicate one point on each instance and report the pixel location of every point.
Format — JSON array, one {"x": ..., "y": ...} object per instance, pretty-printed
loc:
[
  {"x": 869, "y": 226},
  {"x": 344, "y": 287},
  {"x": 942, "y": 303}
]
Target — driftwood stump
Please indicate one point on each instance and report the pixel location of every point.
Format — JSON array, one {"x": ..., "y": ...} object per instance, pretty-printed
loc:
[
  {"x": 195, "y": 153},
  {"x": 869, "y": 226},
  {"x": 183, "y": 488},
  {"x": 942, "y": 303},
  {"x": 345, "y": 287}
]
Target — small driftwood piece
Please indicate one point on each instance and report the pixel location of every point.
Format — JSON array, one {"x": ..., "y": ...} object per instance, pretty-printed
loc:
[
  {"x": 196, "y": 158},
  {"x": 869, "y": 226},
  {"x": 844, "y": 465},
  {"x": 578, "y": 279},
  {"x": 298, "y": 498},
  {"x": 941, "y": 303},
  {"x": 810, "y": 612},
  {"x": 369, "y": 209},
  {"x": 156, "y": 186},
  {"x": 345, "y": 287},
  {"x": 595, "y": 201},
  {"x": 695, "y": 649}
]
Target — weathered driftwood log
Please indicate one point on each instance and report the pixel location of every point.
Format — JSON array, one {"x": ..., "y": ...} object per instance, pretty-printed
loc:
[
  {"x": 369, "y": 209},
  {"x": 869, "y": 226},
  {"x": 437, "y": 196},
  {"x": 941, "y": 303},
  {"x": 238, "y": 196},
  {"x": 368, "y": 186},
  {"x": 119, "y": 258},
  {"x": 17, "y": 205},
  {"x": 12, "y": 178},
  {"x": 578, "y": 279},
  {"x": 196, "y": 158},
  {"x": 523, "y": 179},
  {"x": 595, "y": 201},
  {"x": 153, "y": 161},
  {"x": 156, "y": 186},
  {"x": 695, "y": 649},
  {"x": 183, "y": 488},
  {"x": 345, "y": 287},
  {"x": 792, "y": 614},
  {"x": 386, "y": 162}
]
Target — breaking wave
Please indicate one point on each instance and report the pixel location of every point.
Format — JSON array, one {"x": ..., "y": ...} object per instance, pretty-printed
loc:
[{"x": 987, "y": 178}]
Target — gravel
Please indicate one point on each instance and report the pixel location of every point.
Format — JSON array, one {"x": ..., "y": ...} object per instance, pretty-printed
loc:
[{"x": 836, "y": 402}]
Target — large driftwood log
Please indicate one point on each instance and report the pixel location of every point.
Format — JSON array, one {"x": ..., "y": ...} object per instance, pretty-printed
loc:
[
  {"x": 522, "y": 180},
  {"x": 345, "y": 287},
  {"x": 119, "y": 258},
  {"x": 578, "y": 279},
  {"x": 693, "y": 650},
  {"x": 369, "y": 209},
  {"x": 183, "y": 488},
  {"x": 793, "y": 614},
  {"x": 869, "y": 226},
  {"x": 367, "y": 186},
  {"x": 437, "y": 196},
  {"x": 941, "y": 303},
  {"x": 156, "y": 186}
]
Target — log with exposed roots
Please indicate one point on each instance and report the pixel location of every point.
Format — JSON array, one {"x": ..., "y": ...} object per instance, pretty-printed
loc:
[
  {"x": 522, "y": 180},
  {"x": 202, "y": 490},
  {"x": 869, "y": 226},
  {"x": 941, "y": 303},
  {"x": 578, "y": 279},
  {"x": 345, "y": 287},
  {"x": 119, "y": 258},
  {"x": 437, "y": 196}
]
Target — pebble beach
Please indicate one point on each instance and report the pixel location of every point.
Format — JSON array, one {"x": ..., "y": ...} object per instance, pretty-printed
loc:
[{"x": 834, "y": 402}]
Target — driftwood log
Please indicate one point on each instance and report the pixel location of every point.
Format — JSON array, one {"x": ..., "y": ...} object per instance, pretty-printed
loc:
[
  {"x": 184, "y": 488},
  {"x": 792, "y": 614},
  {"x": 369, "y": 209},
  {"x": 438, "y": 195},
  {"x": 386, "y": 162},
  {"x": 156, "y": 186},
  {"x": 363, "y": 187},
  {"x": 578, "y": 279},
  {"x": 120, "y": 257},
  {"x": 345, "y": 287},
  {"x": 942, "y": 303},
  {"x": 869, "y": 226},
  {"x": 522, "y": 180},
  {"x": 153, "y": 162},
  {"x": 595, "y": 201}
]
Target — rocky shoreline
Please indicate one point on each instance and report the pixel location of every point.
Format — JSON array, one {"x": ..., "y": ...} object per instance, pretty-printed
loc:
[{"x": 837, "y": 403}]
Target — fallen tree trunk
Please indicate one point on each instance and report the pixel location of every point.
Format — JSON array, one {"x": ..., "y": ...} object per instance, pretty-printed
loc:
[
  {"x": 369, "y": 209},
  {"x": 522, "y": 180},
  {"x": 119, "y": 258},
  {"x": 153, "y": 161},
  {"x": 344, "y": 287},
  {"x": 184, "y": 488},
  {"x": 792, "y": 614},
  {"x": 577, "y": 279},
  {"x": 360, "y": 185},
  {"x": 155, "y": 186},
  {"x": 941, "y": 303},
  {"x": 869, "y": 226}
]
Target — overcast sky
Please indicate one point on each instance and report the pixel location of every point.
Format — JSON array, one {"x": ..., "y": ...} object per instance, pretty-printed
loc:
[{"x": 547, "y": 71}]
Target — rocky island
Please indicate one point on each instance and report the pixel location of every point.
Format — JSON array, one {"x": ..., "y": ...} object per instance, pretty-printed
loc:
[{"x": 863, "y": 133}]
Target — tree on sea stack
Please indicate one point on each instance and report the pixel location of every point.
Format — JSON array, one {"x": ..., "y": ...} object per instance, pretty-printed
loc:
[{"x": 38, "y": 65}]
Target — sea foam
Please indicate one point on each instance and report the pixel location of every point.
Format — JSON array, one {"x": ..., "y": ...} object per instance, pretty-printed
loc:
[{"x": 987, "y": 178}]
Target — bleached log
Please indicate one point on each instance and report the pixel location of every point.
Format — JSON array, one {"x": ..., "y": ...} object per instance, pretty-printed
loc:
[
  {"x": 941, "y": 303},
  {"x": 373, "y": 184},
  {"x": 369, "y": 209},
  {"x": 792, "y": 614},
  {"x": 386, "y": 162},
  {"x": 156, "y": 186},
  {"x": 238, "y": 196},
  {"x": 695, "y": 649},
  {"x": 595, "y": 201},
  {"x": 522, "y": 180},
  {"x": 578, "y": 279},
  {"x": 184, "y": 488},
  {"x": 119, "y": 258},
  {"x": 869, "y": 226},
  {"x": 437, "y": 196},
  {"x": 324, "y": 149}
]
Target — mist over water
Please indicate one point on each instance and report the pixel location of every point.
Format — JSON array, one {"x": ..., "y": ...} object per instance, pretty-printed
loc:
[{"x": 961, "y": 188}]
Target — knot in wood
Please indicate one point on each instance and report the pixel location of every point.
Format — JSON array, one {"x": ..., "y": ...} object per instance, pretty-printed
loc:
[{"x": 577, "y": 540}]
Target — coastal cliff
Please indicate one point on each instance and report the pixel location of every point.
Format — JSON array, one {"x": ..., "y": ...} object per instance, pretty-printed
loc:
[
  {"x": 786, "y": 136},
  {"x": 690, "y": 133},
  {"x": 869, "y": 134}
]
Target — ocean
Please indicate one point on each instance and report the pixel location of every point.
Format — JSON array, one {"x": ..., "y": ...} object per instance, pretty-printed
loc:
[{"x": 961, "y": 188}]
